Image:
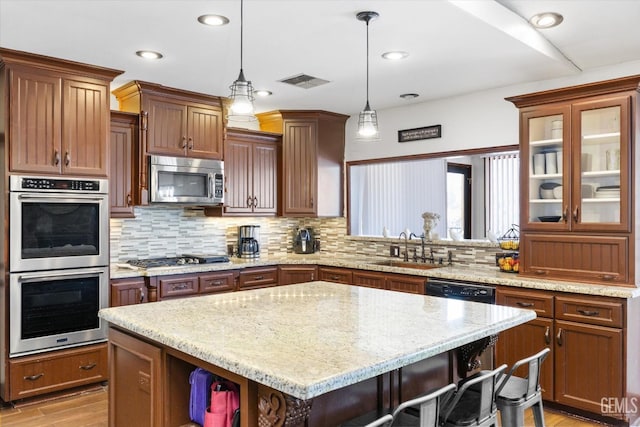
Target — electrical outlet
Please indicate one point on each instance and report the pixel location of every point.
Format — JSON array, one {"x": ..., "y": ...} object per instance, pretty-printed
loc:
[{"x": 394, "y": 251}]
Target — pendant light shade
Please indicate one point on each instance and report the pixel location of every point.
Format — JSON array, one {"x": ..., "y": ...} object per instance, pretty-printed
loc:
[
  {"x": 241, "y": 90},
  {"x": 368, "y": 119}
]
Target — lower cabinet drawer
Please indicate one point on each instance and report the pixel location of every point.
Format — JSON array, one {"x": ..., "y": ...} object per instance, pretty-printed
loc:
[
  {"x": 59, "y": 370},
  {"x": 178, "y": 286},
  {"x": 368, "y": 279},
  {"x": 339, "y": 275},
  {"x": 594, "y": 311},
  {"x": 539, "y": 301},
  {"x": 258, "y": 278},
  {"x": 217, "y": 282}
]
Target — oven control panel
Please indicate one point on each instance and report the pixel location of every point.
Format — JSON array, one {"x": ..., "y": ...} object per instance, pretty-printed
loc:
[{"x": 40, "y": 183}]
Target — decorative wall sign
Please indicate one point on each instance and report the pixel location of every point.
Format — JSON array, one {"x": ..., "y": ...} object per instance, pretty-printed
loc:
[{"x": 427, "y": 132}]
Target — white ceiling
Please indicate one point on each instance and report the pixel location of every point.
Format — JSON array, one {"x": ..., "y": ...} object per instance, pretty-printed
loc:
[{"x": 452, "y": 51}]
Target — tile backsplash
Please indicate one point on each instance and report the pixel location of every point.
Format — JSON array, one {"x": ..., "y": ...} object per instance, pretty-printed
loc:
[{"x": 170, "y": 231}]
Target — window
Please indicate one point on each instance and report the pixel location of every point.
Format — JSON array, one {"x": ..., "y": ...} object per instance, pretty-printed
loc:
[
  {"x": 502, "y": 175},
  {"x": 459, "y": 199},
  {"x": 395, "y": 194}
]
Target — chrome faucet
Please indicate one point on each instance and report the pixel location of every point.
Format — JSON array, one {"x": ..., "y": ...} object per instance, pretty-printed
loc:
[
  {"x": 415, "y": 255},
  {"x": 406, "y": 245}
]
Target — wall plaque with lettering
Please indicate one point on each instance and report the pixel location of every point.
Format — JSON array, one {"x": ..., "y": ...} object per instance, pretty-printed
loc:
[{"x": 426, "y": 132}]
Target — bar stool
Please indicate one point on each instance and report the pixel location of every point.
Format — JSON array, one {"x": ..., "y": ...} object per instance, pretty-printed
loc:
[
  {"x": 474, "y": 403},
  {"x": 428, "y": 407},
  {"x": 515, "y": 394},
  {"x": 381, "y": 422}
]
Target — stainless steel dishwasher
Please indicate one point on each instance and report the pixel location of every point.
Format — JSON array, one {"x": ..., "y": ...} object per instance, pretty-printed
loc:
[{"x": 478, "y": 355}]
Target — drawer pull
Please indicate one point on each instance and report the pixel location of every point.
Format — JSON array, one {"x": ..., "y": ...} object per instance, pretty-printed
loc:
[
  {"x": 179, "y": 287},
  {"x": 334, "y": 277},
  {"x": 34, "y": 377},
  {"x": 217, "y": 283},
  {"x": 540, "y": 272},
  {"x": 608, "y": 277},
  {"x": 547, "y": 335},
  {"x": 559, "y": 336},
  {"x": 589, "y": 312},
  {"x": 524, "y": 304},
  {"x": 258, "y": 278},
  {"x": 88, "y": 367}
]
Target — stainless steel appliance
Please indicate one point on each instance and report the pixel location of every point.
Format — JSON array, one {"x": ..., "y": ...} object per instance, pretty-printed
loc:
[
  {"x": 186, "y": 181},
  {"x": 58, "y": 262},
  {"x": 249, "y": 241},
  {"x": 304, "y": 243},
  {"x": 467, "y": 291},
  {"x": 55, "y": 309},
  {"x": 58, "y": 223},
  {"x": 176, "y": 261}
]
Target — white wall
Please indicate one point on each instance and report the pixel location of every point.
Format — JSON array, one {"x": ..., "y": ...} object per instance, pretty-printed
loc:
[{"x": 475, "y": 120}]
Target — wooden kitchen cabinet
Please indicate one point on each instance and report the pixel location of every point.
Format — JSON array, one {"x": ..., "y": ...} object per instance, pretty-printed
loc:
[
  {"x": 369, "y": 279},
  {"x": 258, "y": 277},
  {"x": 251, "y": 170},
  {"x": 217, "y": 281},
  {"x": 405, "y": 283},
  {"x": 127, "y": 291},
  {"x": 576, "y": 181},
  {"x": 135, "y": 385},
  {"x": 123, "y": 154},
  {"x": 186, "y": 285},
  {"x": 57, "y": 370},
  {"x": 335, "y": 274},
  {"x": 312, "y": 160},
  {"x": 589, "y": 359},
  {"x": 175, "y": 122},
  {"x": 58, "y": 118},
  {"x": 296, "y": 273}
]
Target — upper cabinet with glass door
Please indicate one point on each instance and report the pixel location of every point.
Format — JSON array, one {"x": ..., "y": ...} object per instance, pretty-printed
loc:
[
  {"x": 546, "y": 177},
  {"x": 602, "y": 164},
  {"x": 577, "y": 176}
]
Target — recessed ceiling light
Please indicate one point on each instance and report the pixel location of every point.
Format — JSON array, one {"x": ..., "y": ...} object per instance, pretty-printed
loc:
[
  {"x": 409, "y": 95},
  {"x": 213, "y": 20},
  {"x": 546, "y": 20},
  {"x": 395, "y": 55},
  {"x": 149, "y": 54},
  {"x": 262, "y": 92}
]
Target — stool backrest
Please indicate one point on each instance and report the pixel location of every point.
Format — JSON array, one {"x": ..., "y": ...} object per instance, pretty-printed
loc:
[
  {"x": 429, "y": 405},
  {"x": 533, "y": 376}
]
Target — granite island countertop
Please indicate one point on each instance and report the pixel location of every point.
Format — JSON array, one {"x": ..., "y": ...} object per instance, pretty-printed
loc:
[
  {"x": 485, "y": 275},
  {"x": 312, "y": 338}
]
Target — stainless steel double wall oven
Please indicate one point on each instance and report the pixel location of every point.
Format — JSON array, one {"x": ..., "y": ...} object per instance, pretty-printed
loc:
[{"x": 58, "y": 262}]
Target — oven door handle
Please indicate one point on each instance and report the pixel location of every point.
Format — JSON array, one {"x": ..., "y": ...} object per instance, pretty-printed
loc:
[
  {"x": 67, "y": 198},
  {"x": 47, "y": 275}
]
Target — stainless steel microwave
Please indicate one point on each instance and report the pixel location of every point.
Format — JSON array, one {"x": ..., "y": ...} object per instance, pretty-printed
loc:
[{"x": 186, "y": 181}]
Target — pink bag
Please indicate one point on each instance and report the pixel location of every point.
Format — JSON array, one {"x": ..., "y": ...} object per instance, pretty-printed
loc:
[{"x": 225, "y": 400}]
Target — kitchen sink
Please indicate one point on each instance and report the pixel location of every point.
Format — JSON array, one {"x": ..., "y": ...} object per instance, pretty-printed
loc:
[{"x": 407, "y": 264}]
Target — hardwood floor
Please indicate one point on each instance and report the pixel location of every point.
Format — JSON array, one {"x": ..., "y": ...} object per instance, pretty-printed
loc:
[{"x": 89, "y": 409}]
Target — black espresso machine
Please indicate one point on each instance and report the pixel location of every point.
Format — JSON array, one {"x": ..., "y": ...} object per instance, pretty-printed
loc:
[{"x": 304, "y": 242}]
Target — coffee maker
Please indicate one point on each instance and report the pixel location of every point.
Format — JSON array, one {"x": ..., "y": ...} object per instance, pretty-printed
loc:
[
  {"x": 248, "y": 237},
  {"x": 304, "y": 243}
]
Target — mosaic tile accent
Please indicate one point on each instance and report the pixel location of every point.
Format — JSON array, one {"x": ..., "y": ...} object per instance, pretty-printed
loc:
[{"x": 172, "y": 231}]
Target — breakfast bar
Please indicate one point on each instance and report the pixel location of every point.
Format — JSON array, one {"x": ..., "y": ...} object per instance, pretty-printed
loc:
[{"x": 315, "y": 353}]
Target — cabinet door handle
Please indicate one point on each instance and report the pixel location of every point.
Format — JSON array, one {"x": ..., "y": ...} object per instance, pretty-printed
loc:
[
  {"x": 141, "y": 299},
  {"x": 249, "y": 201},
  {"x": 184, "y": 142},
  {"x": 33, "y": 377},
  {"x": 559, "y": 336},
  {"x": 67, "y": 158},
  {"x": 311, "y": 201},
  {"x": 540, "y": 272},
  {"x": 190, "y": 143},
  {"x": 88, "y": 367},
  {"x": 56, "y": 157},
  {"x": 576, "y": 213},
  {"x": 129, "y": 199},
  {"x": 255, "y": 202},
  {"x": 524, "y": 304},
  {"x": 588, "y": 312},
  {"x": 565, "y": 214},
  {"x": 547, "y": 335}
]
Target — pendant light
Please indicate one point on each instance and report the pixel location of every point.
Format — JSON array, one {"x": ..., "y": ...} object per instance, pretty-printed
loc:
[
  {"x": 368, "y": 119},
  {"x": 241, "y": 90}
]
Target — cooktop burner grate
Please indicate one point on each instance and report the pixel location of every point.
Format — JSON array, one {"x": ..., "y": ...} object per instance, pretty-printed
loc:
[{"x": 181, "y": 260}]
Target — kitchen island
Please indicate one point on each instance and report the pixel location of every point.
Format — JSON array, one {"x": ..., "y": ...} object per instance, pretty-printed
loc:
[{"x": 315, "y": 353}]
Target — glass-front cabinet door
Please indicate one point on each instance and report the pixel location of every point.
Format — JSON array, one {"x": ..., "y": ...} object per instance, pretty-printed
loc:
[
  {"x": 601, "y": 165},
  {"x": 547, "y": 184}
]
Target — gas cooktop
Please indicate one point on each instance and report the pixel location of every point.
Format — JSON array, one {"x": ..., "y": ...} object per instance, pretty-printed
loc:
[{"x": 181, "y": 260}]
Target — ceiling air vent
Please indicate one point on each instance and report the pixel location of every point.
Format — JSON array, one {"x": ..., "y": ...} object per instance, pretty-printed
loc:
[{"x": 304, "y": 81}]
